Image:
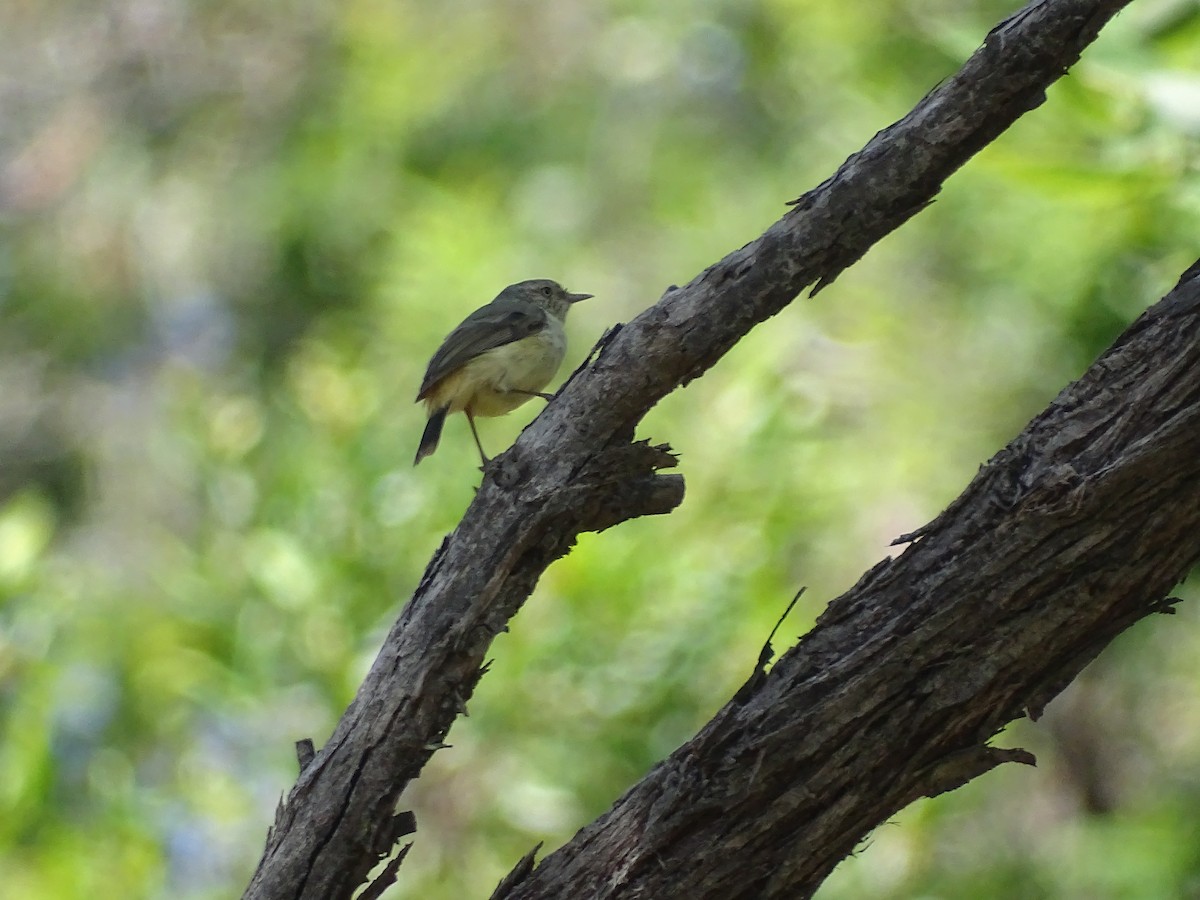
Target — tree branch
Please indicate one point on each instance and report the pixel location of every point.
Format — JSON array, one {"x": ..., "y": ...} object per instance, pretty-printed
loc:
[
  {"x": 574, "y": 469},
  {"x": 1072, "y": 533}
]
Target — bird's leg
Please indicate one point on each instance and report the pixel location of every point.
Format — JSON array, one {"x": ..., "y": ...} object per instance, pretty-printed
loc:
[
  {"x": 544, "y": 396},
  {"x": 475, "y": 434}
]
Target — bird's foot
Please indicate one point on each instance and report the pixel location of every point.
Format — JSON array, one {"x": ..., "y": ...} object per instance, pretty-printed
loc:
[{"x": 542, "y": 394}]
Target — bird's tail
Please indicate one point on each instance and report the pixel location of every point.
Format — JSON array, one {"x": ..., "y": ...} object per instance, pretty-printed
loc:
[{"x": 433, "y": 433}]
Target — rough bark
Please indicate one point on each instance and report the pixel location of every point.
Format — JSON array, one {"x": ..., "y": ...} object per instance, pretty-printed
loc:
[
  {"x": 1072, "y": 533},
  {"x": 575, "y": 469}
]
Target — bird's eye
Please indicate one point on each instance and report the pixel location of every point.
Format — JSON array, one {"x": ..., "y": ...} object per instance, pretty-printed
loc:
[{"x": 546, "y": 290}]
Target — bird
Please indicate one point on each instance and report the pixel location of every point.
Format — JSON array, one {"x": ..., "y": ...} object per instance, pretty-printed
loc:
[{"x": 498, "y": 358}]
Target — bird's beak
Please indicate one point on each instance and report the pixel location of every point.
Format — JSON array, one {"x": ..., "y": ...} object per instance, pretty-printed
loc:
[{"x": 575, "y": 298}]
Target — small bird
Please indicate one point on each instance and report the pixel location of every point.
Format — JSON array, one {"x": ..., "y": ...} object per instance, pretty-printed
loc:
[{"x": 501, "y": 355}]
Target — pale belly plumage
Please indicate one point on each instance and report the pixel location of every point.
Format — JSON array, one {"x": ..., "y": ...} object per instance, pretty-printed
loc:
[{"x": 500, "y": 380}]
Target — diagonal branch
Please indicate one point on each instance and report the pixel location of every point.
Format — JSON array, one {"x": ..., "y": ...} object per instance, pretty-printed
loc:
[
  {"x": 1070, "y": 535},
  {"x": 575, "y": 469}
]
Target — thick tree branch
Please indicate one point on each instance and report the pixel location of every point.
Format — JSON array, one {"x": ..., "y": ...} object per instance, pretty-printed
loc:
[
  {"x": 575, "y": 470},
  {"x": 1072, "y": 533}
]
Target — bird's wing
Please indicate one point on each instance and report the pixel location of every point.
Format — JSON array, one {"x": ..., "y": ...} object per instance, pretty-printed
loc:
[{"x": 500, "y": 322}]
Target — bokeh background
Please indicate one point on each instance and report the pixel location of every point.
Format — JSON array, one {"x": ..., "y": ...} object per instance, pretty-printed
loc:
[{"x": 231, "y": 234}]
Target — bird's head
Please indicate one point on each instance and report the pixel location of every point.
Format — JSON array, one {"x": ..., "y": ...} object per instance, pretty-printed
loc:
[{"x": 549, "y": 295}]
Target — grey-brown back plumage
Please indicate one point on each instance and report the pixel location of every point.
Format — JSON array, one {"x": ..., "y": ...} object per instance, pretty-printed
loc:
[{"x": 501, "y": 322}]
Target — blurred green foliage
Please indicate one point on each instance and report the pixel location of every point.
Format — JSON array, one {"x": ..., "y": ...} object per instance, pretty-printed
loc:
[{"x": 231, "y": 236}]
